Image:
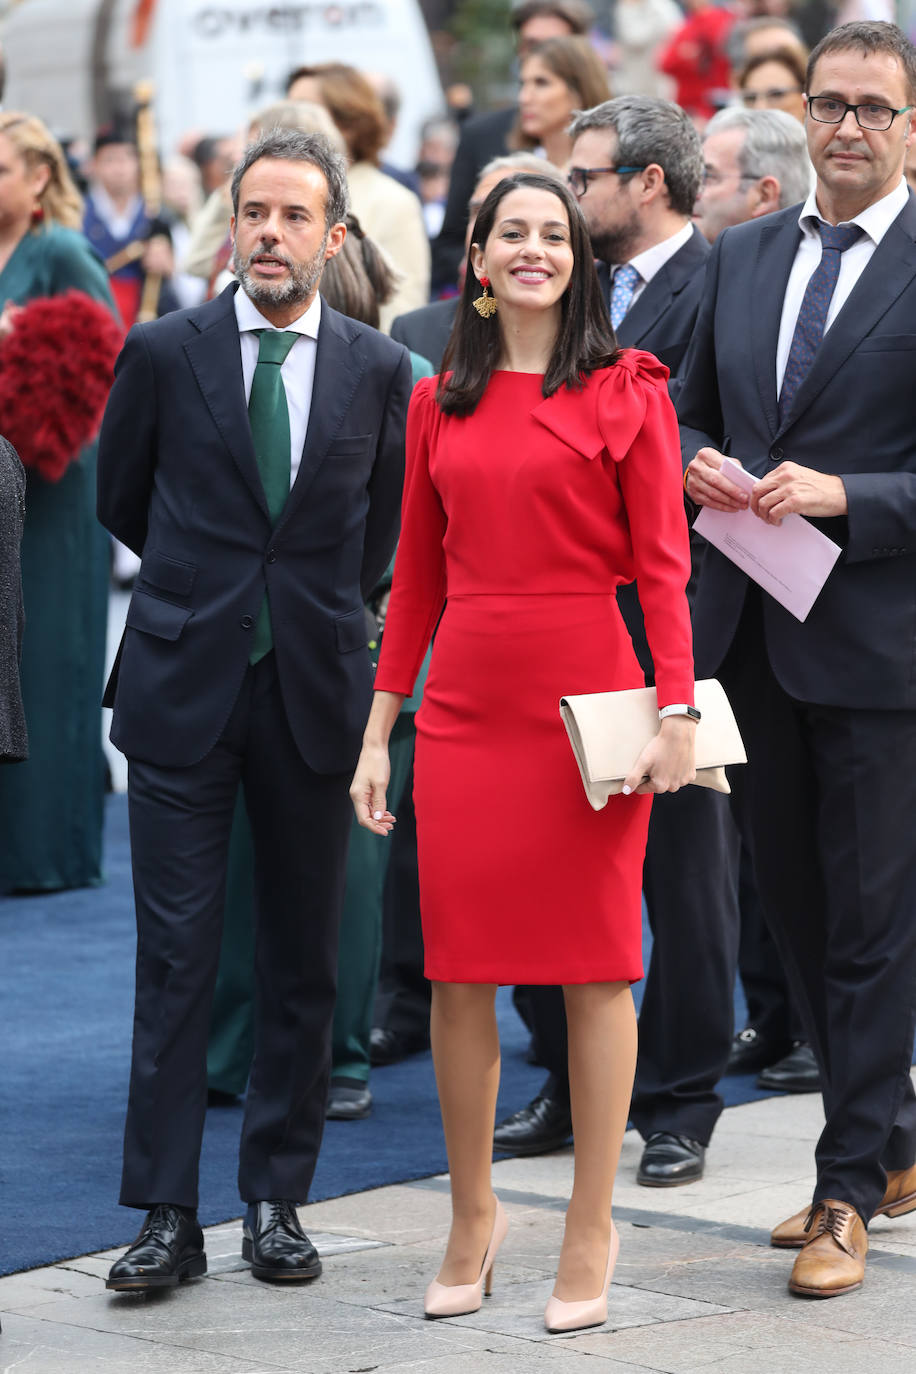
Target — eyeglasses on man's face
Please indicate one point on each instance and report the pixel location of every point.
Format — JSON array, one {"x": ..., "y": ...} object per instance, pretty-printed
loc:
[
  {"x": 712, "y": 177},
  {"x": 751, "y": 98},
  {"x": 826, "y": 109},
  {"x": 578, "y": 178}
]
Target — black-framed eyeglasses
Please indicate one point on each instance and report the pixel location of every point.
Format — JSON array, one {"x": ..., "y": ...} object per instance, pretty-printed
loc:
[
  {"x": 750, "y": 98},
  {"x": 826, "y": 109},
  {"x": 578, "y": 177},
  {"x": 714, "y": 178}
]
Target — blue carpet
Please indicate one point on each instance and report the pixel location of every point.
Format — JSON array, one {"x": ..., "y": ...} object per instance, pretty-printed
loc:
[{"x": 66, "y": 978}]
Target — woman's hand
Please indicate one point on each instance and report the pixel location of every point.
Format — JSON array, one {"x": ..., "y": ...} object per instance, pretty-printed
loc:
[
  {"x": 369, "y": 787},
  {"x": 667, "y": 762},
  {"x": 8, "y": 319}
]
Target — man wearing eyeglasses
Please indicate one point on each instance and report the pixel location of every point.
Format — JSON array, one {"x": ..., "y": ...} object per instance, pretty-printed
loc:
[
  {"x": 803, "y": 367},
  {"x": 636, "y": 165}
]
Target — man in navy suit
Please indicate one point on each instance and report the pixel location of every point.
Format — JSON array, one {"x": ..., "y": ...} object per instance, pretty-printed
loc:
[
  {"x": 252, "y": 453},
  {"x": 803, "y": 367}
]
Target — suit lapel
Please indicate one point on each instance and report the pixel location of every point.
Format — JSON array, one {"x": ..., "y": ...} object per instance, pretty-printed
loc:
[
  {"x": 889, "y": 272},
  {"x": 776, "y": 251},
  {"x": 339, "y": 366},
  {"x": 215, "y": 357},
  {"x": 646, "y": 311}
]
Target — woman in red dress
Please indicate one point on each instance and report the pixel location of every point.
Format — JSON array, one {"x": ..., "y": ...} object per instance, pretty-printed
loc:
[{"x": 543, "y": 469}]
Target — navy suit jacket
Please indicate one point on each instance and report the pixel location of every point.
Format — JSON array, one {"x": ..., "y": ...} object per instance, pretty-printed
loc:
[
  {"x": 426, "y": 330},
  {"x": 179, "y": 484},
  {"x": 662, "y": 317},
  {"x": 852, "y": 416}
]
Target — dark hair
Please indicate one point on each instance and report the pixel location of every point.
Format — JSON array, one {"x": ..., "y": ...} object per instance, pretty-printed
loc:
[
  {"x": 291, "y": 145},
  {"x": 585, "y": 340},
  {"x": 877, "y": 37},
  {"x": 651, "y": 130},
  {"x": 578, "y": 15},
  {"x": 352, "y": 104},
  {"x": 575, "y": 62},
  {"x": 789, "y": 58},
  {"x": 358, "y": 279}
]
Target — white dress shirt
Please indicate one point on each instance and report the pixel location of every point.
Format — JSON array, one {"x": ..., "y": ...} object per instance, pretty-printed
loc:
[
  {"x": 651, "y": 261},
  {"x": 298, "y": 371},
  {"x": 875, "y": 220}
]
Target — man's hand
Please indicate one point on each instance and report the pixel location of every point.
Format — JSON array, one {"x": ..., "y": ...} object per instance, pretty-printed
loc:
[
  {"x": 794, "y": 490},
  {"x": 706, "y": 486}
]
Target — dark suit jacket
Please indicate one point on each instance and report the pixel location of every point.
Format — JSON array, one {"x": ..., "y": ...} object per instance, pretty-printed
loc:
[
  {"x": 425, "y": 331},
  {"x": 179, "y": 484},
  {"x": 853, "y": 416},
  {"x": 661, "y": 320},
  {"x": 482, "y": 138}
]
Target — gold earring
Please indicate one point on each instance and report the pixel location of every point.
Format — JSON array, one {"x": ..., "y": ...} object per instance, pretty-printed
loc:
[{"x": 485, "y": 305}]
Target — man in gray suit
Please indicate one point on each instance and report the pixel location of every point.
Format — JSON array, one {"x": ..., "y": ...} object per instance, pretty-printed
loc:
[{"x": 802, "y": 367}]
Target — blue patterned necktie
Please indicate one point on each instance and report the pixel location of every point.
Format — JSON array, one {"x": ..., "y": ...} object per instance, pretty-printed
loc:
[
  {"x": 626, "y": 280},
  {"x": 812, "y": 317}
]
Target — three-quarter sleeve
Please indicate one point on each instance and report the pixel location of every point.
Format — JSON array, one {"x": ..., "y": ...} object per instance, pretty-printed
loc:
[
  {"x": 640, "y": 430},
  {"x": 418, "y": 587}
]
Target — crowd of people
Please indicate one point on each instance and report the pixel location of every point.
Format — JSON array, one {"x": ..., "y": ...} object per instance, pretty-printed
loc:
[{"x": 513, "y": 362}]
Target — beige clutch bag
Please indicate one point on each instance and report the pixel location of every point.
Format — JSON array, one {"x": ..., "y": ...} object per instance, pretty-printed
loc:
[{"x": 608, "y": 730}]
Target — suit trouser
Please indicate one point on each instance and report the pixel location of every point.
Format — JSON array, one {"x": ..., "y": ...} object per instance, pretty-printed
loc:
[
  {"x": 827, "y": 800},
  {"x": 770, "y": 1008},
  {"x": 180, "y": 821},
  {"x": 687, "y": 1021},
  {"x": 231, "y": 1044}
]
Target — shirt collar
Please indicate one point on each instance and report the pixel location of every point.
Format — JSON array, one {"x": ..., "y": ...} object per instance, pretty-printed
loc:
[
  {"x": 875, "y": 219},
  {"x": 249, "y": 317},
  {"x": 651, "y": 261}
]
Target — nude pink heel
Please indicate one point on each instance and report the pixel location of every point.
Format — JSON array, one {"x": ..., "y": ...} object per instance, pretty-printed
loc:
[
  {"x": 575, "y": 1316},
  {"x": 457, "y": 1299}
]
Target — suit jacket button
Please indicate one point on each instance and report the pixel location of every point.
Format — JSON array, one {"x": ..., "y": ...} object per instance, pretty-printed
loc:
[
  {"x": 246, "y": 622},
  {"x": 776, "y": 454},
  {"x": 271, "y": 555}
]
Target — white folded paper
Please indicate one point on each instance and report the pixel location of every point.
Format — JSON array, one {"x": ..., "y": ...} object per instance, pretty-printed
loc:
[{"x": 791, "y": 561}]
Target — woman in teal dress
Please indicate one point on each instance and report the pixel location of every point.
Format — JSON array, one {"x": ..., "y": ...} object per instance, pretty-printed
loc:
[{"x": 51, "y": 807}]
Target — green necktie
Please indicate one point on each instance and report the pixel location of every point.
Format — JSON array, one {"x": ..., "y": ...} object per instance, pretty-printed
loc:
[{"x": 269, "y": 417}]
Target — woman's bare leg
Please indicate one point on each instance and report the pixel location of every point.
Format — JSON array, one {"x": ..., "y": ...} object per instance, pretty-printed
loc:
[
  {"x": 465, "y": 1044},
  {"x": 602, "y": 1062}
]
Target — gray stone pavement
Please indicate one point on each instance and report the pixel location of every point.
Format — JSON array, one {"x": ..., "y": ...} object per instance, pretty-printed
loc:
[{"x": 697, "y": 1288}]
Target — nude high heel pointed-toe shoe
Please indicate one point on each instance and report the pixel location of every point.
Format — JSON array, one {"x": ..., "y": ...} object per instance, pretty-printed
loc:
[
  {"x": 575, "y": 1316},
  {"x": 457, "y": 1299}
]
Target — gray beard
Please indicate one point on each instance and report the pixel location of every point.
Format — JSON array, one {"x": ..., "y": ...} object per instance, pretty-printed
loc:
[{"x": 299, "y": 286}]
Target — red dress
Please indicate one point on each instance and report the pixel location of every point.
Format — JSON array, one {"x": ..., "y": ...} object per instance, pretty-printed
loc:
[{"x": 526, "y": 515}]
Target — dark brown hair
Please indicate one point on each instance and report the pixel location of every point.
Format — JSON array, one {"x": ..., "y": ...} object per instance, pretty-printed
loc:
[
  {"x": 578, "y": 66},
  {"x": 585, "y": 340},
  {"x": 869, "y": 38},
  {"x": 790, "y": 58},
  {"x": 358, "y": 279},
  {"x": 352, "y": 104},
  {"x": 578, "y": 15}
]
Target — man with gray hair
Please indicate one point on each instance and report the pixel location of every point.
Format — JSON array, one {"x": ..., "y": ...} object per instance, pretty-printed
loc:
[
  {"x": 252, "y": 454},
  {"x": 636, "y": 166},
  {"x": 755, "y": 162}
]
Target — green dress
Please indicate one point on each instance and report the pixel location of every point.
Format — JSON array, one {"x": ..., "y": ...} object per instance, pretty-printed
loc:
[{"x": 51, "y": 806}]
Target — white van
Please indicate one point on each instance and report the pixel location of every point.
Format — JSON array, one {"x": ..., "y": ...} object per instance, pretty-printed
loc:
[{"x": 212, "y": 62}]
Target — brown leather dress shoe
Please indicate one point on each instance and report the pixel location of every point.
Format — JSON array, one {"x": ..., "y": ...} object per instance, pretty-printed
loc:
[
  {"x": 832, "y": 1260},
  {"x": 899, "y": 1198}
]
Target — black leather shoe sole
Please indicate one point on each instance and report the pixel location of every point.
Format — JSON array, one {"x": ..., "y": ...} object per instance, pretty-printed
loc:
[
  {"x": 279, "y": 1274},
  {"x": 193, "y": 1268}
]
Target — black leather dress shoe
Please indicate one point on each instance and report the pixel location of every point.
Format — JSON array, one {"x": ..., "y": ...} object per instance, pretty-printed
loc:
[
  {"x": 796, "y": 1073},
  {"x": 348, "y": 1100},
  {"x": 752, "y": 1051},
  {"x": 388, "y": 1046},
  {"x": 544, "y": 1125},
  {"x": 670, "y": 1160},
  {"x": 168, "y": 1250},
  {"x": 275, "y": 1245}
]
